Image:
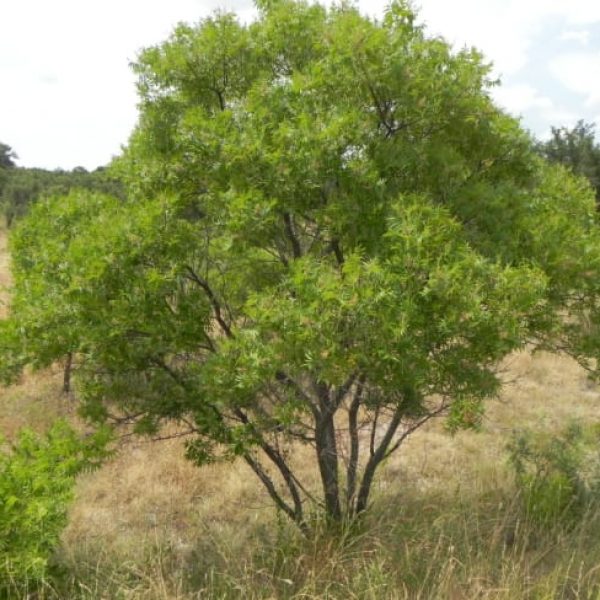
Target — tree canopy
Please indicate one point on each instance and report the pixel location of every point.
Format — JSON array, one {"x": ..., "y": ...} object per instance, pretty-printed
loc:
[
  {"x": 23, "y": 186},
  {"x": 6, "y": 163},
  {"x": 7, "y": 156},
  {"x": 576, "y": 148},
  {"x": 332, "y": 235}
]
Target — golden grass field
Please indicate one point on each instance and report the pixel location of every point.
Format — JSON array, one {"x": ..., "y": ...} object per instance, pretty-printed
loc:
[{"x": 445, "y": 521}]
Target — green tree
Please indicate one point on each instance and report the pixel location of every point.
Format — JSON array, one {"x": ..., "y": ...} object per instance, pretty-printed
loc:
[
  {"x": 577, "y": 149},
  {"x": 6, "y": 163},
  {"x": 332, "y": 236},
  {"x": 24, "y": 186},
  {"x": 7, "y": 156}
]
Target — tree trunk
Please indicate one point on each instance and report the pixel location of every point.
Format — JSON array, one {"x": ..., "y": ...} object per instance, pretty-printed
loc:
[
  {"x": 67, "y": 373},
  {"x": 326, "y": 447}
]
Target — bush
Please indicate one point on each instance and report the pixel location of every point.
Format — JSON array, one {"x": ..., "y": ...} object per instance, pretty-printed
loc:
[
  {"x": 558, "y": 476},
  {"x": 37, "y": 476}
]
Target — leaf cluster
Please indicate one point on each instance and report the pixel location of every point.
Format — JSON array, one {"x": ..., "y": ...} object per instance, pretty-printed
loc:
[{"x": 37, "y": 476}]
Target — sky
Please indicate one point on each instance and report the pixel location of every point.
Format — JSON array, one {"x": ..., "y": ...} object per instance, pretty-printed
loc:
[{"x": 67, "y": 93}]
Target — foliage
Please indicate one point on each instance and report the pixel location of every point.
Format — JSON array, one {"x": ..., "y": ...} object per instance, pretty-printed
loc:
[
  {"x": 47, "y": 328},
  {"x": 24, "y": 186},
  {"x": 557, "y": 475},
  {"x": 332, "y": 236},
  {"x": 6, "y": 164},
  {"x": 7, "y": 156},
  {"x": 37, "y": 475},
  {"x": 577, "y": 149}
]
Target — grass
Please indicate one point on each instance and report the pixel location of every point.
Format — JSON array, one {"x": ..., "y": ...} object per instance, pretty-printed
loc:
[{"x": 446, "y": 522}]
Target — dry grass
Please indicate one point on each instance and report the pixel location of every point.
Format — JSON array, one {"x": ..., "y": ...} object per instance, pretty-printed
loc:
[
  {"x": 443, "y": 518},
  {"x": 444, "y": 524},
  {"x": 5, "y": 278},
  {"x": 35, "y": 402}
]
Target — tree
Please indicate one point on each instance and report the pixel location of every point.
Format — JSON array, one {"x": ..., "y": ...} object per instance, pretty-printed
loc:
[
  {"x": 332, "y": 235},
  {"x": 24, "y": 186},
  {"x": 577, "y": 149},
  {"x": 6, "y": 157},
  {"x": 6, "y": 163}
]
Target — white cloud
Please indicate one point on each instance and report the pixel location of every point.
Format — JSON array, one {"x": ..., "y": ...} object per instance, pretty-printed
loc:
[
  {"x": 520, "y": 97},
  {"x": 560, "y": 117},
  {"x": 84, "y": 49},
  {"x": 67, "y": 91},
  {"x": 581, "y": 36},
  {"x": 578, "y": 72},
  {"x": 580, "y": 12},
  {"x": 490, "y": 26},
  {"x": 505, "y": 29}
]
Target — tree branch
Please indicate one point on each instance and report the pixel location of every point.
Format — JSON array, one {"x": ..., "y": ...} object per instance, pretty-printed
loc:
[
  {"x": 335, "y": 246},
  {"x": 275, "y": 457},
  {"x": 343, "y": 390},
  {"x": 354, "y": 443},
  {"x": 270, "y": 487},
  {"x": 286, "y": 380},
  {"x": 291, "y": 234},
  {"x": 377, "y": 455},
  {"x": 416, "y": 426},
  {"x": 193, "y": 276},
  {"x": 374, "y": 432}
]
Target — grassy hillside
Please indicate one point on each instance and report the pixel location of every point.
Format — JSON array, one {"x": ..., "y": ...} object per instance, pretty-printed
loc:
[{"x": 446, "y": 521}]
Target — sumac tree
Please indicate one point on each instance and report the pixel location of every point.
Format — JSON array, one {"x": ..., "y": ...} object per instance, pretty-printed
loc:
[{"x": 332, "y": 235}]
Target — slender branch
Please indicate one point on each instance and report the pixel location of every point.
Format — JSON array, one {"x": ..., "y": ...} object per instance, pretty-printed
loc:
[
  {"x": 278, "y": 460},
  {"x": 354, "y": 443},
  {"x": 438, "y": 411},
  {"x": 387, "y": 436},
  {"x": 274, "y": 396},
  {"x": 307, "y": 439},
  {"x": 374, "y": 432},
  {"x": 335, "y": 246},
  {"x": 270, "y": 487},
  {"x": 390, "y": 130},
  {"x": 210, "y": 345},
  {"x": 286, "y": 380},
  {"x": 376, "y": 457},
  {"x": 288, "y": 477},
  {"x": 212, "y": 299},
  {"x": 126, "y": 419},
  {"x": 221, "y": 98},
  {"x": 180, "y": 381},
  {"x": 172, "y": 436},
  {"x": 291, "y": 234},
  {"x": 343, "y": 390},
  {"x": 171, "y": 372}
]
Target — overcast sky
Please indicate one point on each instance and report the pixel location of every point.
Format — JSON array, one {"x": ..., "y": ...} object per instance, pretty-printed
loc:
[{"x": 67, "y": 95}]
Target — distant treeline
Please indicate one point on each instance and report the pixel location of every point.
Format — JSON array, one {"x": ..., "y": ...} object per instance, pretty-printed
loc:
[
  {"x": 574, "y": 147},
  {"x": 20, "y": 186},
  {"x": 577, "y": 149}
]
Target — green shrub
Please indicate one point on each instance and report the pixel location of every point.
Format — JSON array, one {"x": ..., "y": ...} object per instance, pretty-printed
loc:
[
  {"x": 37, "y": 476},
  {"x": 558, "y": 476}
]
